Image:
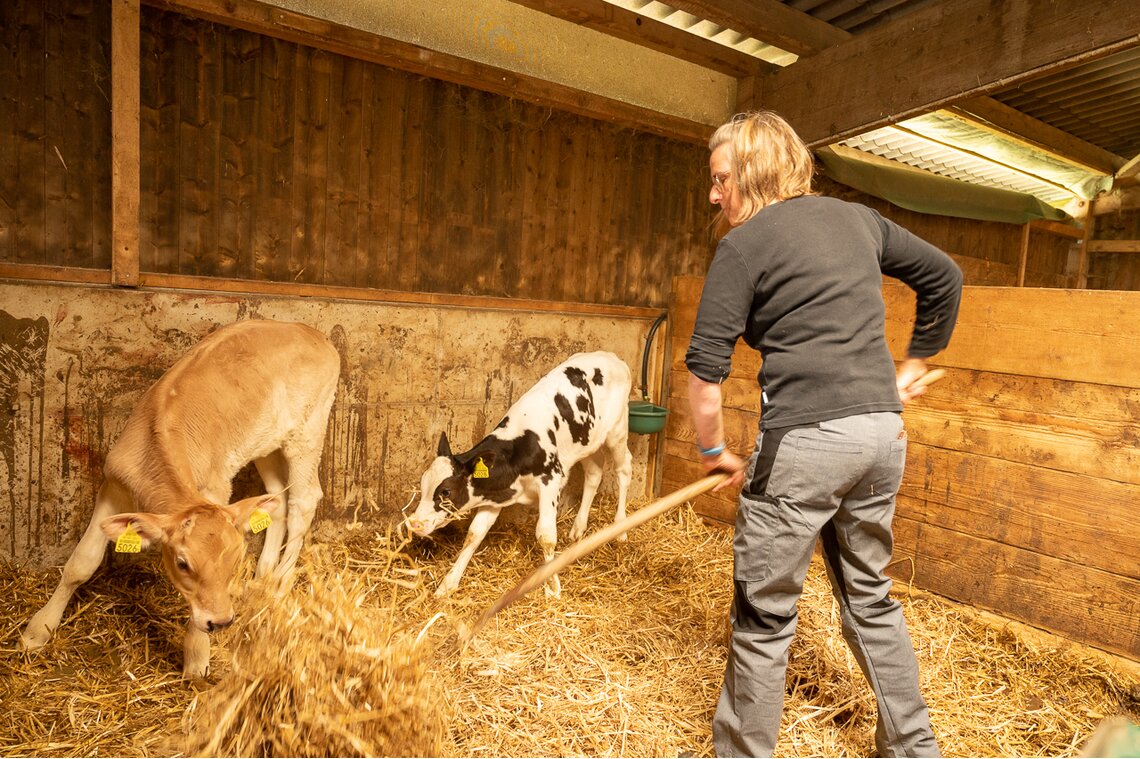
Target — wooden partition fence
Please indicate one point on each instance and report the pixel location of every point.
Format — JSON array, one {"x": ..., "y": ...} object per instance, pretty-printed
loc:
[{"x": 1023, "y": 468}]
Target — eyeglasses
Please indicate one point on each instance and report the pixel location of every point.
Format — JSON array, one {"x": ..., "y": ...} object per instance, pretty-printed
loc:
[{"x": 720, "y": 178}]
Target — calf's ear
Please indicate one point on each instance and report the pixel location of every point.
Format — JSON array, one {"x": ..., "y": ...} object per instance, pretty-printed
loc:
[
  {"x": 444, "y": 448},
  {"x": 472, "y": 463},
  {"x": 248, "y": 514},
  {"x": 149, "y": 527}
]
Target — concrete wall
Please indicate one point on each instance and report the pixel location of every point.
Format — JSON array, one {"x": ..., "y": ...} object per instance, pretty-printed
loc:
[{"x": 73, "y": 361}]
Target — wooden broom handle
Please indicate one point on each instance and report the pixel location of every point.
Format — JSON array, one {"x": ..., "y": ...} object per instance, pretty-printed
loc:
[
  {"x": 594, "y": 541},
  {"x": 929, "y": 378}
]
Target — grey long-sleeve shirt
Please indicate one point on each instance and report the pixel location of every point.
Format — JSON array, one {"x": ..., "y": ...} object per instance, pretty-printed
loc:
[{"x": 801, "y": 281}]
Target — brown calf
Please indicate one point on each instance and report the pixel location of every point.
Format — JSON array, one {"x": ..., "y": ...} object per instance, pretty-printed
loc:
[{"x": 256, "y": 391}]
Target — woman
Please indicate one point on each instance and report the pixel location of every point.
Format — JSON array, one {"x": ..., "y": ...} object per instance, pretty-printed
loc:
[{"x": 799, "y": 276}]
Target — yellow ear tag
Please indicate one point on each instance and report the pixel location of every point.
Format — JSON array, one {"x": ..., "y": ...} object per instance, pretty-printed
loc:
[
  {"x": 259, "y": 520},
  {"x": 481, "y": 471},
  {"x": 129, "y": 541}
]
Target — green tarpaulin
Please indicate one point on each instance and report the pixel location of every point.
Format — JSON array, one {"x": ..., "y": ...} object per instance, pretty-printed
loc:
[{"x": 921, "y": 191}]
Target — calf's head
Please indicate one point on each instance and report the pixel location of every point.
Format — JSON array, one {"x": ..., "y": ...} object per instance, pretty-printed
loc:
[
  {"x": 453, "y": 485},
  {"x": 201, "y": 548},
  {"x": 444, "y": 490}
]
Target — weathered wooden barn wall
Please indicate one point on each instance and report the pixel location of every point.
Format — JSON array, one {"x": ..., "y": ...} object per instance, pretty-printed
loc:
[
  {"x": 274, "y": 162},
  {"x": 271, "y": 161},
  {"x": 55, "y": 133},
  {"x": 1117, "y": 271},
  {"x": 73, "y": 361},
  {"x": 987, "y": 251},
  {"x": 1023, "y": 470}
]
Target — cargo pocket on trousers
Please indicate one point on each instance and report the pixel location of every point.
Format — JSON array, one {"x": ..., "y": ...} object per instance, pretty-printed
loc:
[{"x": 756, "y": 526}]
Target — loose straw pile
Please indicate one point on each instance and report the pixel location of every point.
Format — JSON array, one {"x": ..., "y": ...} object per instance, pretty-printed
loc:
[
  {"x": 322, "y": 672},
  {"x": 628, "y": 662}
]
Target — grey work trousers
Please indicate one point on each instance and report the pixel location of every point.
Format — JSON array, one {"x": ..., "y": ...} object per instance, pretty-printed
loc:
[{"x": 835, "y": 480}]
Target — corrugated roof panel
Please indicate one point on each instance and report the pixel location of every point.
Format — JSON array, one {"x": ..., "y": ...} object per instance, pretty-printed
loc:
[
  {"x": 918, "y": 152},
  {"x": 732, "y": 38},
  {"x": 857, "y": 16},
  {"x": 1097, "y": 101}
]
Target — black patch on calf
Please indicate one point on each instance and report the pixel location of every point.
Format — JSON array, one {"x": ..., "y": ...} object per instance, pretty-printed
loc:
[
  {"x": 577, "y": 378},
  {"x": 579, "y": 431},
  {"x": 513, "y": 458},
  {"x": 599, "y": 380},
  {"x": 553, "y": 464},
  {"x": 553, "y": 438},
  {"x": 453, "y": 488},
  {"x": 503, "y": 423}
]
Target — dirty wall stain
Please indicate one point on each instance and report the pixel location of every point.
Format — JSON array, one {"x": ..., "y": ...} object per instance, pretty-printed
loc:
[{"x": 23, "y": 363}]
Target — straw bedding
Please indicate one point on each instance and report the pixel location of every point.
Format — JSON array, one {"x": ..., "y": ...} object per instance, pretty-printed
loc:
[{"x": 361, "y": 659}]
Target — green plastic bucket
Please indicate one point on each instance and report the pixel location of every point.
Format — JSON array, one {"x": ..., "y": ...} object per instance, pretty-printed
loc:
[{"x": 646, "y": 418}]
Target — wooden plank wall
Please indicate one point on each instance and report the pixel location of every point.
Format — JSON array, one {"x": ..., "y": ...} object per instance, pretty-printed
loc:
[
  {"x": 55, "y": 133},
  {"x": 274, "y": 162},
  {"x": 987, "y": 251},
  {"x": 267, "y": 160},
  {"x": 1022, "y": 471},
  {"x": 1116, "y": 271}
]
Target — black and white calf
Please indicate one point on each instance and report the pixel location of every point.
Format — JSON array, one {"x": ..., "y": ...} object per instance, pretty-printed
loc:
[{"x": 579, "y": 412}]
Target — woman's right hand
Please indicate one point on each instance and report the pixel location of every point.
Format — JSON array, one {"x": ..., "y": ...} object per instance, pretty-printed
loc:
[{"x": 728, "y": 462}]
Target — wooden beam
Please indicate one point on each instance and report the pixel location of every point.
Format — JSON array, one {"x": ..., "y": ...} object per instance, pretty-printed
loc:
[
  {"x": 125, "y": 142},
  {"x": 41, "y": 273},
  {"x": 303, "y": 290},
  {"x": 939, "y": 55},
  {"x": 272, "y": 21},
  {"x": 1129, "y": 170},
  {"x": 1057, "y": 228},
  {"x": 1114, "y": 246},
  {"x": 1023, "y": 258},
  {"x": 1083, "y": 260},
  {"x": 998, "y": 118},
  {"x": 769, "y": 21},
  {"x": 648, "y": 32}
]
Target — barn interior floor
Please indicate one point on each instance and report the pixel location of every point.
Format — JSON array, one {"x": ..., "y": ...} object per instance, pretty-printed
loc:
[{"x": 627, "y": 662}]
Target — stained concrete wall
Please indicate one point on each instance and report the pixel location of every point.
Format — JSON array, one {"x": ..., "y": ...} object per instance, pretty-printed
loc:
[{"x": 73, "y": 361}]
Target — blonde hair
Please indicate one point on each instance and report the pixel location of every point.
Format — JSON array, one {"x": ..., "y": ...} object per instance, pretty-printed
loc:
[{"x": 769, "y": 161}]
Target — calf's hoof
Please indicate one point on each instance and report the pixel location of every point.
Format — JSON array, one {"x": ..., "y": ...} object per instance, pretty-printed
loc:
[
  {"x": 553, "y": 587},
  {"x": 445, "y": 588},
  {"x": 33, "y": 640},
  {"x": 196, "y": 664}
]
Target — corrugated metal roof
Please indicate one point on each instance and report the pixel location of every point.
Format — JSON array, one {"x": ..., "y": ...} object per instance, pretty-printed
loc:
[
  {"x": 923, "y": 153},
  {"x": 857, "y": 16},
  {"x": 1098, "y": 102},
  {"x": 708, "y": 30}
]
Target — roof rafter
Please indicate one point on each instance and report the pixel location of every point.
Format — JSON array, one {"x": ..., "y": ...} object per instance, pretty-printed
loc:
[
  {"x": 939, "y": 55},
  {"x": 642, "y": 30}
]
